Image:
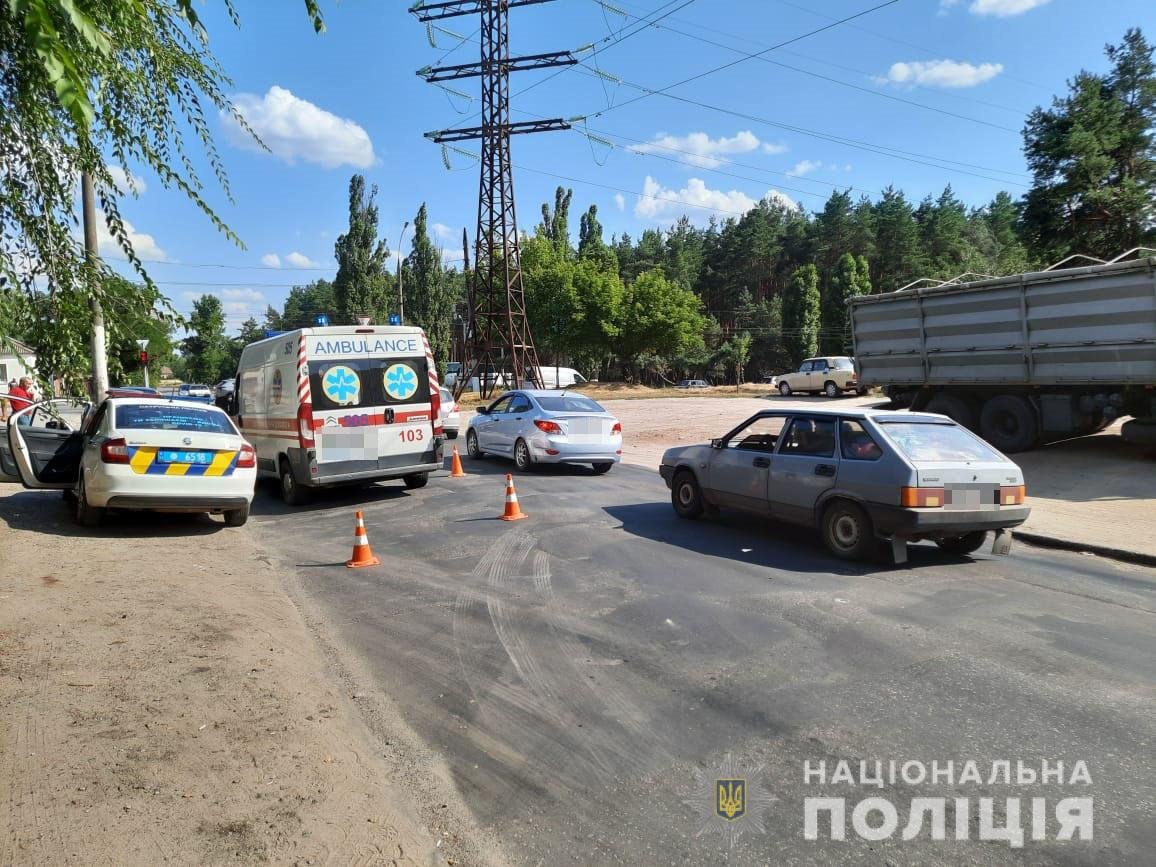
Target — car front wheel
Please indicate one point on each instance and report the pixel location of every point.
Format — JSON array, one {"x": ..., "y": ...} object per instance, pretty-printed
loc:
[
  {"x": 847, "y": 531},
  {"x": 472, "y": 447},
  {"x": 965, "y": 544},
  {"x": 685, "y": 495},
  {"x": 785, "y": 389}
]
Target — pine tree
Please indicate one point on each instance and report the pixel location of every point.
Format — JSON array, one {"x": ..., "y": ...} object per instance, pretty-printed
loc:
[
  {"x": 802, "y": 314},
  {"x": 363, "y": 286},
  {"x": 428, "y": 296}
]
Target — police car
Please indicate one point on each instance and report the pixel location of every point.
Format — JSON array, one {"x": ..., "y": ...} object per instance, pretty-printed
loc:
[{"x": 132, "y": 452}]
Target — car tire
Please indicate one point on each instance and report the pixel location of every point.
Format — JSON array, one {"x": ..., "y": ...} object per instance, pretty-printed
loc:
[
  {"x": 86, "y": 515},
  {"x": 785, "y": 389},
  {"x": 686, "y": 496},
  {"x": 291, "y": 491},
  {"x": 965, "y": 544},
  {"x": 451, "y": 434},
  {"x": 862, "y": 391},
  {"x": 847, "y": 531},
  {"x": 1008, "y": 422},
  {"x": 603, "y": 467},
  {"x": 472, "y": 448},
  {"x": 415, "y": 481},
  {"x": 831, "y": 390},
  {"x": 955, "y": 408},
  {"x": 237, "y": 517},
  {"x": 522, "y": 459}
]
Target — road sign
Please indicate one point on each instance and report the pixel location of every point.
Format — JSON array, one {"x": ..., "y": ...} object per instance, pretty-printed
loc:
[{"x": 394, "y": 319}]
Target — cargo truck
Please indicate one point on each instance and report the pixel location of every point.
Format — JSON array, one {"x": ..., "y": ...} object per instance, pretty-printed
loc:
[{"x": 1021, "y": 360}]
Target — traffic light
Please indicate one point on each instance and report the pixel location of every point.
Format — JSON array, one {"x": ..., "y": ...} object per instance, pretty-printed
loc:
[{"x": 144, "y": 356}]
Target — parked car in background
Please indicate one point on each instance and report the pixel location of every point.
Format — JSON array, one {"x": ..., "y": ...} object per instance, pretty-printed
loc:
[
  {"x": 186, "y": 389},
  {"x": 451, "y": 414},
  {"x": 133, "y": 453},
  {"x": 859, "y": 476},
  {"x": 547, "y": 427},
  {"x": 453, "y": 371},
  {"x": 693, "y": 383},
  {"x": 559, "y": 377},
  {"x": 225, "y": 387},
  {"x": 831, "y": 376}
]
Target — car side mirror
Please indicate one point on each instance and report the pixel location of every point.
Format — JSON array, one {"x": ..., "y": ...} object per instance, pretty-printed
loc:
[
  {"x": 718, "y": 443},
  {"x": 483, "y": 410}
]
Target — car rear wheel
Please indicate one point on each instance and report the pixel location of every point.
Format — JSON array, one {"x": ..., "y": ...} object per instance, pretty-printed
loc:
[
  {"x": 847, "y": 531},
  {"x": 522, "y": 458},
  {"x": 86, "y": 515},
  {"x": 965, "y": 544},
  {"x": 685, "y": 495},
  {"x": 472, "y": 447},
  {"x": 785, "y": 389},
  {"x": 237, "y": 517},
  {"x": 603, "y": 467},
  {"x": 415, "y": 481},
  {"x": 831, "y": 390},
  {"x": 291, "y": 492}
]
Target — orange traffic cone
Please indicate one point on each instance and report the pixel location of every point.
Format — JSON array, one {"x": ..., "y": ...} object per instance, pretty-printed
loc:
[
  {"x": 456, "y": 471},
  {"x": 362, "y": 553},
  {"x": 513, "y": 511}
]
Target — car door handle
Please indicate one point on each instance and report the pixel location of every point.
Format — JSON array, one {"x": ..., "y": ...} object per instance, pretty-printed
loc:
[
  {"x": 763, "y": 463},
  {"x": 824, "y": 469}
]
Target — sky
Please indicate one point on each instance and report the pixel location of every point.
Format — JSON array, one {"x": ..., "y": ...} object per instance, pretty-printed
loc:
[{"x": 917, "y": 94}]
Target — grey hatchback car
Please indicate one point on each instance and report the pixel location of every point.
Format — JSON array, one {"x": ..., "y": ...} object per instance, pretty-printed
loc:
[{"x": 859, "y": 476}]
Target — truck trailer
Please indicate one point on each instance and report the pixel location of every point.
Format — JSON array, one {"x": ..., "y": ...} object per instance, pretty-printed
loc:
[{"x": 1022, "y": 360}]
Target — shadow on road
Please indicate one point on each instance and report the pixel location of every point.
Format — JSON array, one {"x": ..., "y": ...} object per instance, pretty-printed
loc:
[
  {"x": 46, "y": 512},
  {"x": 774, "y": 545}
]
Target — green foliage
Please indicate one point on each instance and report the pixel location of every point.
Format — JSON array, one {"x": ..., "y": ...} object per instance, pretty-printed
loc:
[
  {"x": 802, "y": 314},
  {"x": 429, "y": 297},
  {"x": 555, "y": 225},
  {"x": 363, "y": 285},
  {"x": 850, "y": 278},
  {"x": 207, "y": 351},
  {"x": 1093, "y": 159},
  {"x": 658, "y": 317},
  {"x": 302, "y": 305}
]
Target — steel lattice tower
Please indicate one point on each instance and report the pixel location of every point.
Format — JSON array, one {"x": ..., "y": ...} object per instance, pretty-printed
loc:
[{"x": 499, "y": 337}]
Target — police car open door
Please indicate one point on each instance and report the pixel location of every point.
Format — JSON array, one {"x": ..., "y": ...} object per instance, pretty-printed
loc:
[{"x": 44, "y": 444}]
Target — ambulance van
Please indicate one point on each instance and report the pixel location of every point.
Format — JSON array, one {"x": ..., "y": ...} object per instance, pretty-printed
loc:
[{"x": 340, "y": 405}]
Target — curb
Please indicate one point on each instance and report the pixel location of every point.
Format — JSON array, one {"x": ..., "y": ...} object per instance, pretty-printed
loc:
[{"x": 1120, "y": 554}]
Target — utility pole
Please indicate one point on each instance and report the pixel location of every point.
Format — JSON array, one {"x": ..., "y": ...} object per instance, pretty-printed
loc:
[
  {"x": 99, "y": 340},
  {"x": 400, "y": 287},
  {"x": 499, "y": 331}
]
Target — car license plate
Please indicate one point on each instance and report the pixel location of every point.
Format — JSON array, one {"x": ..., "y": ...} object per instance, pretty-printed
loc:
[{"x": 166, "y": 456}]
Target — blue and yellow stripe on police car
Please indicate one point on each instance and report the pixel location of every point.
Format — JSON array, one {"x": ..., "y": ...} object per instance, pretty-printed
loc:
[{"x": 143, "y": 460}]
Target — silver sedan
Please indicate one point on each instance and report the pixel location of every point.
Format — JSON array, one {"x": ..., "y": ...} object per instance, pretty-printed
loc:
[{"x": 547, "y": 427}]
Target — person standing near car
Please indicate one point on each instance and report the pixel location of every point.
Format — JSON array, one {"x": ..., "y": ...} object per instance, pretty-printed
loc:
[{"x": 20, "y": 396}]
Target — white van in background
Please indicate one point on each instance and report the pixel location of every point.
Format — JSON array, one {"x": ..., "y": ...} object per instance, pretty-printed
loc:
[
  {"x": 327, "y": 406},
  {"x": 560, "y": 377}
]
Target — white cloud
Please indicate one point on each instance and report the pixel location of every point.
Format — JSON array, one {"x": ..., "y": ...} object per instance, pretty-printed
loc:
[
  {"x": 661, "y": 203},
  {"x": 941, "y": 73},
  {"x": 250, "y": 295},
  {"x": 145, "y": 246},
  {"x": 271, "y": 260},
  {"x": 774, "y": 147},
  {"x": 126, "y": 182},
  {"x": 300, "y": 260},
  {"x": 294, "y": 129},
  {"x": 699, "y": 149},
  {"x": 441, "y": 230},
  {"x": 620, "y": 201},
  {"x": 1001, "y": 8},
  {"x": 802, "y": 167}
]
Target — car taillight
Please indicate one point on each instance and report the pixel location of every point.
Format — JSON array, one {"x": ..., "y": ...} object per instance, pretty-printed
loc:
[
  {"x": 1013, "y": 495},
  {"x": 305, "y": 425},
  {"x": 547, "y": 426},
  {"x": 922, "y": 498},
  {"x": 435, "y": 399},
  {"x": 456, "y": 408},
  {"x": 114, "y": 451},
  {"x": 247, "y": 459},
  {"x": 617, "y": 429}
]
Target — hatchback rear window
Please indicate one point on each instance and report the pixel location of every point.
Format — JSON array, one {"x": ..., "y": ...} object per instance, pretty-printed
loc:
[
  {"x": 938, "y": 442},
  {"x": 842, "y": 364},
  {"x": 568, "y": 403},
  {"x": 172, "y": 417}
]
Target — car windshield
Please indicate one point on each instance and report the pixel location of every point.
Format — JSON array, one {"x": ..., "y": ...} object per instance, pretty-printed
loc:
[
  {"x": 568, "y": 403},
  {"x": 923, "y": 442},
  {"x": 138, "y": 416}
]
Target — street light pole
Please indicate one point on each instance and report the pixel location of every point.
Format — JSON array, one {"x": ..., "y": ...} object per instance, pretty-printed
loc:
[
  {"x": 400, "y": 287},
  {"x": 99, "y": 345}
]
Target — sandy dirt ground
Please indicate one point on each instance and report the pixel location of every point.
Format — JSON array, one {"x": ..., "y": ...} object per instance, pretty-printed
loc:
[{"x": 163, "y": 700}]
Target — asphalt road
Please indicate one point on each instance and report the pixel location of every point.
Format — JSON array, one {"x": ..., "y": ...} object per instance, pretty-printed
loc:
[{"x": 583, "y": 670}]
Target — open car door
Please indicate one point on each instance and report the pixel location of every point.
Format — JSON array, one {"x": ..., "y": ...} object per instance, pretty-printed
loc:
[
  {"x": 8, "y": 471},
  {"x": 45, "y": 443}
]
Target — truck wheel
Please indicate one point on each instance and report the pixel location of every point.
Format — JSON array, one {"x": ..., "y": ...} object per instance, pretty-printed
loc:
[
  {"x": 1139, "y": 431},
  {"x": 415, "y": 481},
  {"x": 831, "y": 390},
  {"x": 291, "y": 492},
  {"x": 955, "y": 408},
  {"x": 965, "y": 544},
  {"x": 237, "y": 517},
  {"x": 847, "y": 531},
  {"x": 685, "y": 495},
  {"x": 1008, "y": 422},
  {"x": 785, "y": 389}
]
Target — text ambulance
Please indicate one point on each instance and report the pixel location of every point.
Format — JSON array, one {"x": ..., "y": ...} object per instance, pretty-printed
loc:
[{"x": 333, "y": 405}]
